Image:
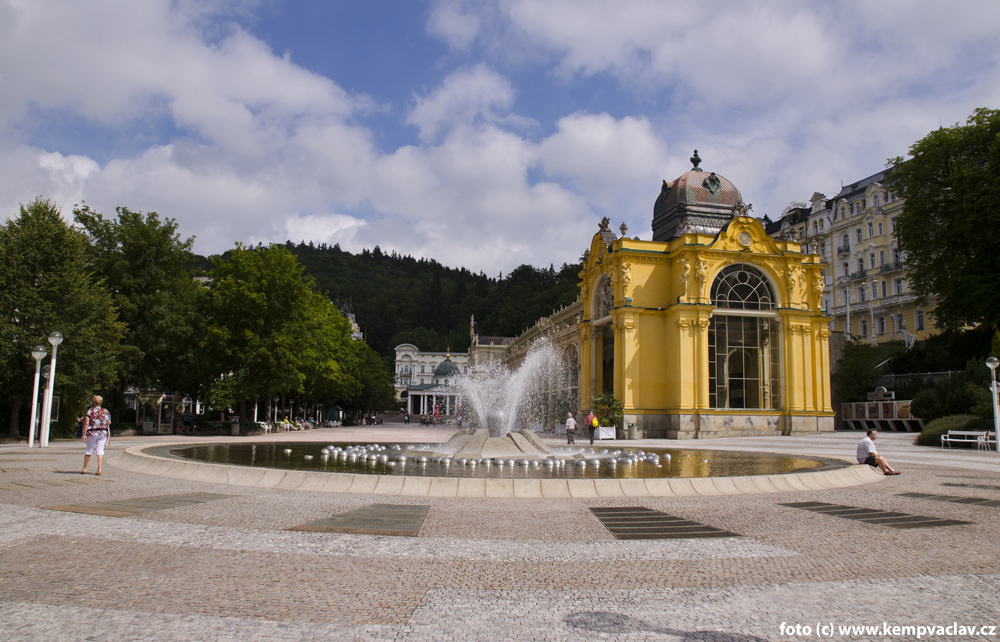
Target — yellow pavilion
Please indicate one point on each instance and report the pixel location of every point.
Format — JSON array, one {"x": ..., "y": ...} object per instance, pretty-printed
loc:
[{"x": 712, "y": 329}]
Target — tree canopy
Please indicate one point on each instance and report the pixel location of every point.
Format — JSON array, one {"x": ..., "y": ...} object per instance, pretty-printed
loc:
[
  {"x": 949, "y": 229},
  {"x": 400, "y": 299},
  {"x": 46, "y": 285},
  {"x": 269, "y": 325},
  {"x": 142, "y": 261}
]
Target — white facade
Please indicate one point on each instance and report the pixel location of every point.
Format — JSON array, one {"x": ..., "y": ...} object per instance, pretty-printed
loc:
[{"x": 420, "y": 386}]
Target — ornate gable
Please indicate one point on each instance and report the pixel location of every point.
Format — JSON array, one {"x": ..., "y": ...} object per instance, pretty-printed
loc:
[{"x": 744, "y": 234}]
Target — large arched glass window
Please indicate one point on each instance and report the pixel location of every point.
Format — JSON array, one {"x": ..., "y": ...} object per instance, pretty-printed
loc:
[
  {"x": 743, "y": 347},
  {"x": 604, "y": 298},
  {"x": 741, "y": 287}
]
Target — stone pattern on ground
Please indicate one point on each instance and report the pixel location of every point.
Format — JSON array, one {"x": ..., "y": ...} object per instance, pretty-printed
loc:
[{"x": 490, "y": 569}]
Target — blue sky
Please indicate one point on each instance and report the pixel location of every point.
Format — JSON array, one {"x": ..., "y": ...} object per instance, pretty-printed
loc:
[{"x": 483, "y": 133}]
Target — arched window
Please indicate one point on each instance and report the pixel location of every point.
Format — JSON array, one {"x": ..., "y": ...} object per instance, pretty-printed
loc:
[
  {"x": 744, "y": 365},
  {"x": 742, "y": 287},
  {"x": 604, "y": 298}
]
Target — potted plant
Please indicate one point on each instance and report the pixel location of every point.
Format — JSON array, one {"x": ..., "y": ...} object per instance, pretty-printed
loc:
[{"x": 608, "y": 410}]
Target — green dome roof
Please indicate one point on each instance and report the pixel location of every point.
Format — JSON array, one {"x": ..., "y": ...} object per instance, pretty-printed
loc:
[{"x": 446, "y": 368}]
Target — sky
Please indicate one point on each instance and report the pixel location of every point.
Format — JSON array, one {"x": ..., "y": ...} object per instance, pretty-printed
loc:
[{"x": 481, "y": 133}]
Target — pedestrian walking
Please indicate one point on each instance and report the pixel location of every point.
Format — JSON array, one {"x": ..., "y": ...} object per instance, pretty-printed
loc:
[
  {"x": 591, "y": 422},
  {"x": 570, "y": 429},
  {"x": 96, "y": 432}
]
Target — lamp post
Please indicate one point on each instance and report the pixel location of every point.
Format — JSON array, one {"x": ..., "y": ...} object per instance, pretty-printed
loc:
[
  {"x": 992, "y": 363},
  {"x": 55, "y": 338},
  {"x": 38, "y": 352}
]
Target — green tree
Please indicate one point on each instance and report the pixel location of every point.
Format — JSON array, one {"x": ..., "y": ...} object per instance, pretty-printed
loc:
[
  {"x": 269, "y": 332},
  {"x": 949, "y": 229},
  {"x": 376, "y": 392},
  {"x": 46, "y": 285},
  {"x": 963, "y": 393},
  {"x": 143, "y": 262},
  {"x": 861, "y": 367}
]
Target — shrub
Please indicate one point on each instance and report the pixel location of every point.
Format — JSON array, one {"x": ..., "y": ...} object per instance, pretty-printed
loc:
[
  {"x": 931, "y": 434},
  {"x": 965, "y": 392}
]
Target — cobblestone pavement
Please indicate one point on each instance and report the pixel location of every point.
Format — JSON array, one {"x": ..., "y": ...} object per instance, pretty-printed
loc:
[{"x": 225, "y": 567}]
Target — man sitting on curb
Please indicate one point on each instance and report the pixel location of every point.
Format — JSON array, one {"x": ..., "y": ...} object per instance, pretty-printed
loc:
[{"x": 867, "y": 454}]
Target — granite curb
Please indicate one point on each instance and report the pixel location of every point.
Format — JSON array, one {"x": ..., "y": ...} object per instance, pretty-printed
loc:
[{"x": 136, "y": 460}]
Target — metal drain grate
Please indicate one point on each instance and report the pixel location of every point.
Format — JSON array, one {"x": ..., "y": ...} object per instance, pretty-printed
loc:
[
  {"x": 982, "y": 486},
  {"x": 402, "y": 520},
  {"x": 978, "y": 501},
  {"x": 872, "y": 516},
  {"x": 48, "y": 483},
  {"x": 140, "y": 505},
  {"x": 638, "y": 522}
]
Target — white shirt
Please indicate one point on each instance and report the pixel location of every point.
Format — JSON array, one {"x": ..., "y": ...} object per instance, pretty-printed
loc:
[
  {"x": 865, "y": 448},
  {"x": 571, "y": 424}
]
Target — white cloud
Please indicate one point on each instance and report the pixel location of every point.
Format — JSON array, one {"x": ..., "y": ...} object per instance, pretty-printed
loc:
[
  {"x": 452, "y": 24},
  {"x": 317, "y": 228},
  {"x": 239, "y": 143},
  {"x": 604, "y": 158},
  {"x": 466, "y": 97}
]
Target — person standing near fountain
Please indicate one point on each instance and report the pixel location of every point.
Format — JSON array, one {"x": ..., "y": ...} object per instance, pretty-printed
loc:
[
  {"x": 570, "y": 429},
  {"x": 591, "y": 422}
]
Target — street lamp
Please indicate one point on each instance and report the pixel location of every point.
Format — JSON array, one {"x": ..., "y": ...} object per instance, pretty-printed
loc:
[
  {"x": 55, "y": 338},
  {"x": 38, "y": 352},
  {"x": 992, "y": 363}
]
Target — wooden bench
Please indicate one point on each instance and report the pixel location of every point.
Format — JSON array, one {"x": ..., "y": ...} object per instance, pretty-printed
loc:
[{"x": 983, "y": 440}]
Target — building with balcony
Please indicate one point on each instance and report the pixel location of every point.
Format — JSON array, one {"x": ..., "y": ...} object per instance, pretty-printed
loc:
[
  {"x": 870, "y": 297},
  {"x": 866, "y": 291}
]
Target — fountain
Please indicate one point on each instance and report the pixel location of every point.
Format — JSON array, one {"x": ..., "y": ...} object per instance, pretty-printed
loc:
[
  {"x": 498, "y": 402},
  {"x": 498, "y": 399}
]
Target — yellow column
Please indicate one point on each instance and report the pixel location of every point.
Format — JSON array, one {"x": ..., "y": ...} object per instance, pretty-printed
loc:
[
  {"x": 616, "y": 385},
  {"x": 791, "y": 335},
  {"x": 700, "y": 350},
  {"x": 809, "y": 380},
  {"x": 586, "y": 365},
  {"x": 826, "y": 403}
]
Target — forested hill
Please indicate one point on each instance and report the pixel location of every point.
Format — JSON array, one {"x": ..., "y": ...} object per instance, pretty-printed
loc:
[{"x": 399, "y": 299}]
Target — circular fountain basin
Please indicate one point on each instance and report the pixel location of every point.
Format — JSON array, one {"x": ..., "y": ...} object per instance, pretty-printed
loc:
[{"x": 563, "y": 463}]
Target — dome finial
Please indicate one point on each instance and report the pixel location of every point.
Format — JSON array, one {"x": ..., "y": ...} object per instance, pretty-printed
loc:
[{"x": 696, "y": 160}]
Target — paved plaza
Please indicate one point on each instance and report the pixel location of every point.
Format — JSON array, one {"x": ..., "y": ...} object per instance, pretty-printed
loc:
[{"x": 134, "y": 556}]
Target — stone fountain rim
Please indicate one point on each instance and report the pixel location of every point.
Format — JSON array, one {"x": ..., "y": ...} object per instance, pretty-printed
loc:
[{"x": 137, "y": 460}]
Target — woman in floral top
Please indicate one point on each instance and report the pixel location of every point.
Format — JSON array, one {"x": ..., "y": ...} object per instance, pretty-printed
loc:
[{"x": 96, "y": 431}]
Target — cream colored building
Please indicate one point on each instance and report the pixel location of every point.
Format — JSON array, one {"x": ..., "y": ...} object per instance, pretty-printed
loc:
[
  {"x": 867, "y": 293},
  {"x": 870, "y": 294}
]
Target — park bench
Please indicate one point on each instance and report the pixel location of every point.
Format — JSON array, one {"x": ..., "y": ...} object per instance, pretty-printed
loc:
[{"x": 982, "y": 439}]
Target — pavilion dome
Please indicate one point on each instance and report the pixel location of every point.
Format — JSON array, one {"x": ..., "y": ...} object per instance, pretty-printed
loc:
[{"x": 696, "y": 202}]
